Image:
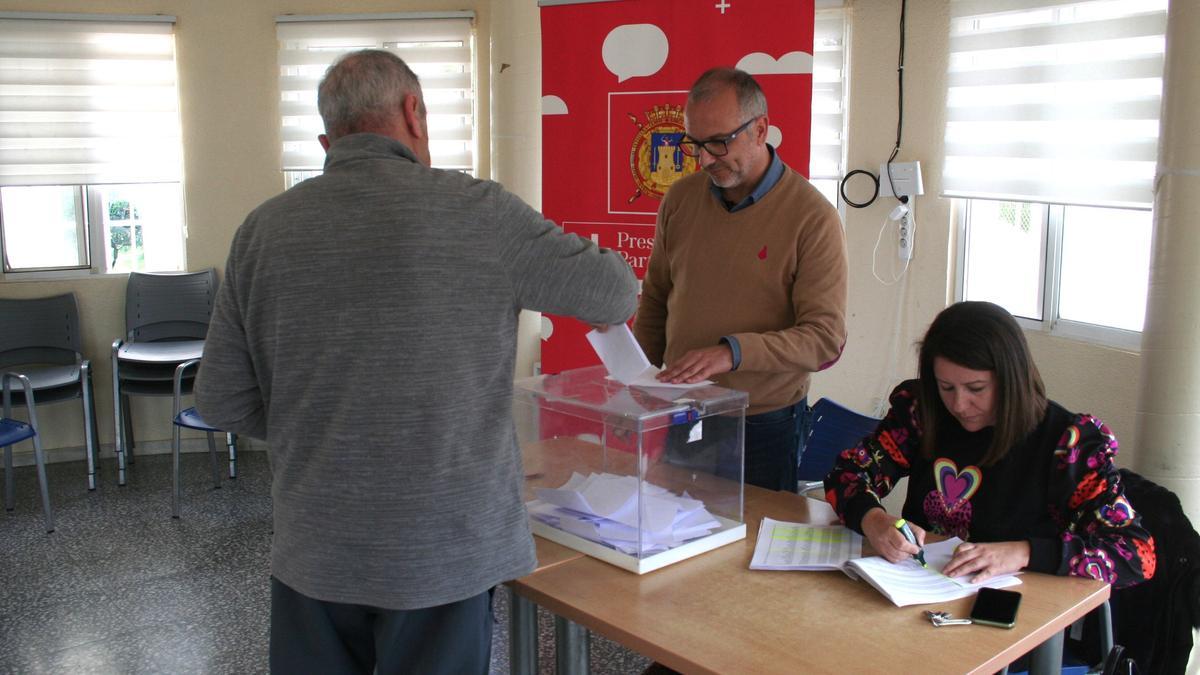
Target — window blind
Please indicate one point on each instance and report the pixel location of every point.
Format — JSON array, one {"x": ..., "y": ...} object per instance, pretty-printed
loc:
[
  {"x": 88, "y": 102},
  {"x": 1054, "y": 100},
  {"x": 439, "y": 50},
  {"x": 828, "y": 98}
]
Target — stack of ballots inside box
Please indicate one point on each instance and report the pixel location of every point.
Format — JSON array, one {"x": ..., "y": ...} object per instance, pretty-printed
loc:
[{"x": 604, "y": 508}]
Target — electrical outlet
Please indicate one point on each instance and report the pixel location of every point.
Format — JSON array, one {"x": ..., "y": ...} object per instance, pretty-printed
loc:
[
  {"x": 907, "y": 226},
  {"x": 906, "y": 176}
]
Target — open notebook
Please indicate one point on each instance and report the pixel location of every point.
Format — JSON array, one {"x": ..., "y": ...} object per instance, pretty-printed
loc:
[
  {"x": 796, "y": 546},
  {"x": 908, "y": 583}
]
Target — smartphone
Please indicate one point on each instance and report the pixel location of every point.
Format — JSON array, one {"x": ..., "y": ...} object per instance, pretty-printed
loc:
[{"x": 996, "y": 607}]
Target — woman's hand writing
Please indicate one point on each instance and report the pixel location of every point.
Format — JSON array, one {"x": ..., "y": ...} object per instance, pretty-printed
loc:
[{"x": 879, "y": 528}]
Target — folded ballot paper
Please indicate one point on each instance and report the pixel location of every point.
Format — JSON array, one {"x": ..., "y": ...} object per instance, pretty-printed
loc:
[
  {"x": 798, "y": 546},
  {"x": 621, "y": 354},
  {"x": 603, "y": 508}
]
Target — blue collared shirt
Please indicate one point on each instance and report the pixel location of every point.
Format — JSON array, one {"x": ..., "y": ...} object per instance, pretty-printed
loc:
[{"x": 769, "y": 180}]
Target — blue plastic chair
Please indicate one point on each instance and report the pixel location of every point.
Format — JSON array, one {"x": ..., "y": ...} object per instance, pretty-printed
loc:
[
  {"x": 13, "y": 431},
  {"x": 189, "y": 418},
  {"x": 834, "y": 428}
]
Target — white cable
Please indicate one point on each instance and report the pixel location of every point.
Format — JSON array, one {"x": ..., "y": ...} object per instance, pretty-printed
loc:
[{"x": 875, "y": 255}]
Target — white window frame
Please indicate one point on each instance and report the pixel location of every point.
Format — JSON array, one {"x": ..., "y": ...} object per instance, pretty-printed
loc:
[
  {"x": 1051, "y": 323},
  {"x": 293, "y": 175},
  {"x": 89, "y": 214},
  {"x": 88, "y": 198}
]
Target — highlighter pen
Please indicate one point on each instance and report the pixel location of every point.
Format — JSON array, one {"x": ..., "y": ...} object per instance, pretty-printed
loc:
[{"x": 902, "y": 525}]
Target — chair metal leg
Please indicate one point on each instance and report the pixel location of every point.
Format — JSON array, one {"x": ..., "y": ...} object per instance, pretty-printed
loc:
[
  {"x": 231, "y": 441},
  {"x": 212, "y": 460},
  {"x": 130, "y": 442},
  {"x": 40, "y": 459},
  {"x": 9, "y": 484},
  {"x": 89, "y": 427},
  {"x": 118, "y": 418},
  {"x": 174, "y": 470}
]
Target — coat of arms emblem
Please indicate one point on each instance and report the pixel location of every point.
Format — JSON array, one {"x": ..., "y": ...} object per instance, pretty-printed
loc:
[{"x": 655, "y": 159}]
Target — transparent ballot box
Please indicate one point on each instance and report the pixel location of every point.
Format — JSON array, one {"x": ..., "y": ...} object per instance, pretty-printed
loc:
[{"x": 640, "y": 477}]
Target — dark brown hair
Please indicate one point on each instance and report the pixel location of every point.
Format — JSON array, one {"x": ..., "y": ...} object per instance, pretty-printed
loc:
[{"x": 982, "y": 336}]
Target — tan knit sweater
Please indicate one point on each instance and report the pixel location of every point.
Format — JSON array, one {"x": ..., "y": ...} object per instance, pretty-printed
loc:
[{"x": 773, "y": 275}]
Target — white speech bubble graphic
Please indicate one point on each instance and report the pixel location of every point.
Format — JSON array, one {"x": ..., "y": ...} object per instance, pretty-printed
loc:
[
  {"x": 547, "y": 327},
  {"x": 774, "y": 136},
  {"x": 758, "y": 63},
  {"x": 635, "y": 50},
  {"x": 553, "y": 105}
]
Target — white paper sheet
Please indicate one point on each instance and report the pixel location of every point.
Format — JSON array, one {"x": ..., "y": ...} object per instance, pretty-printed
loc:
[
  {"x": 796, "y": 546},
  {"x": 621, "y": 354},
  {"x": 604, "y": 508}
]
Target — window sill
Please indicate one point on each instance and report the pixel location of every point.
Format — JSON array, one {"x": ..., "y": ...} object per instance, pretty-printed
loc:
[{"x": 1092, "y": 334}]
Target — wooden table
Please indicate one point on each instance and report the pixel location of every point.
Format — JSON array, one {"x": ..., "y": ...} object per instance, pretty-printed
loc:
[{"x": 711, "y": 614}]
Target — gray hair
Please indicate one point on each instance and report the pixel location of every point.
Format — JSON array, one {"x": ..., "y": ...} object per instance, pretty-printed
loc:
[
  {"x": 751, "y": 100},
  {"x": 363, "y": 89}
]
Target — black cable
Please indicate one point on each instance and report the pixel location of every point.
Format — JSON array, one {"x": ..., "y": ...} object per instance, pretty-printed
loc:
[
  {"x": 874, "y": 193},
  {"x": 899, "y": 127},
  {"x": 899, "y": 102}
]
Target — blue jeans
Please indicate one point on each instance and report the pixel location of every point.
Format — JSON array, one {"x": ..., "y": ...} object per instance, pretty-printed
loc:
[{"x": 774, "y": 442}]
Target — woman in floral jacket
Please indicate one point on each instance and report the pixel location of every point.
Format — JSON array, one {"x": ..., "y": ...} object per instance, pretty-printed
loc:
[{"x": 1025, "y": 483}]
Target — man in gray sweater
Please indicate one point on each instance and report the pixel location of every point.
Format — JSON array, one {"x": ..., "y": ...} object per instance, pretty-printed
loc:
[{"x": 366, "y": 328}]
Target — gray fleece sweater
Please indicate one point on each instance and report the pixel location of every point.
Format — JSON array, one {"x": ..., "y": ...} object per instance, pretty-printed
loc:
[{"x": 366, "y": 328}]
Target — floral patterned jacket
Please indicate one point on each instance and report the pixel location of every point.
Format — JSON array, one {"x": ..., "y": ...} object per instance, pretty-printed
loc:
[{"x": 1058, "y": 489}]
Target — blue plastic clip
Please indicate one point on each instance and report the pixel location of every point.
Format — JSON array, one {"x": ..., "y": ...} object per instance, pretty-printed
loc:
[{"x": 684, "y": 416}]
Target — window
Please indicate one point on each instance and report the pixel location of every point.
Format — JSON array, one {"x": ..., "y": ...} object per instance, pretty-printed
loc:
[
  {"x": 440, "y": 49},
  {"x": 1051, "y": 143},
  {"x": 828, "y": 98},
  {"x": 90, "y": 160},
  {"x": 1075, "y": 271}
]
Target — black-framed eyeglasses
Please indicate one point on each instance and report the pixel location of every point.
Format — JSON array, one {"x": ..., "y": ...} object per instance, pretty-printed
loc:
[{"x": 717, "y": 147}]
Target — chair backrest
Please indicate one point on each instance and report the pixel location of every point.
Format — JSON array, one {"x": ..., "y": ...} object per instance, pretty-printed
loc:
[
  {"x": 169, "y": 306},
  {"x": 1156, "y": 619},
  {"x": 39, "y": 330},
  {"x": 834, "y": 428}
]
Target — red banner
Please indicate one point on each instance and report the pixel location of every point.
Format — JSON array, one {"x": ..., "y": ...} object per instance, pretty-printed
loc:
[{"x": 615, "y": 77}]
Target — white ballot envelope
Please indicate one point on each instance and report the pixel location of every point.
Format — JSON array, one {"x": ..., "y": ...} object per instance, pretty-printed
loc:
[{"x": 625, "y": 360}]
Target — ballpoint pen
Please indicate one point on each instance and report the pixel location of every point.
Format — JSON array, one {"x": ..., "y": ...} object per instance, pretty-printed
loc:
[{"x": 902, "y": 525}]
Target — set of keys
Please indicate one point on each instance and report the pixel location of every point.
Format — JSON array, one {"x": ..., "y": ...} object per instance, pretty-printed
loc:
[{"x": 939, "y": 619}]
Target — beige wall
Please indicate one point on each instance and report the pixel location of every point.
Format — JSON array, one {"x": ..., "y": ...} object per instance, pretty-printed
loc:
[{"x": 227, "y": 80}]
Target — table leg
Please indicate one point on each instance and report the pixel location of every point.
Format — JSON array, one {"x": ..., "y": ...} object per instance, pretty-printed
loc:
[
  {"x": 1046, "y": 658},
  {"x": 570, "y": 647},
  {"x": 522, "y": 635}
]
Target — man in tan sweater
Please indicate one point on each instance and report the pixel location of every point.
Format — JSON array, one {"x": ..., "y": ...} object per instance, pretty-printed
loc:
[{"x": 746, "y": 283}]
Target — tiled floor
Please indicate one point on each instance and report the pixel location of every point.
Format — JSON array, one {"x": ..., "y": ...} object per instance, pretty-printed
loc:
[{"x": 121, "y": 587}]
